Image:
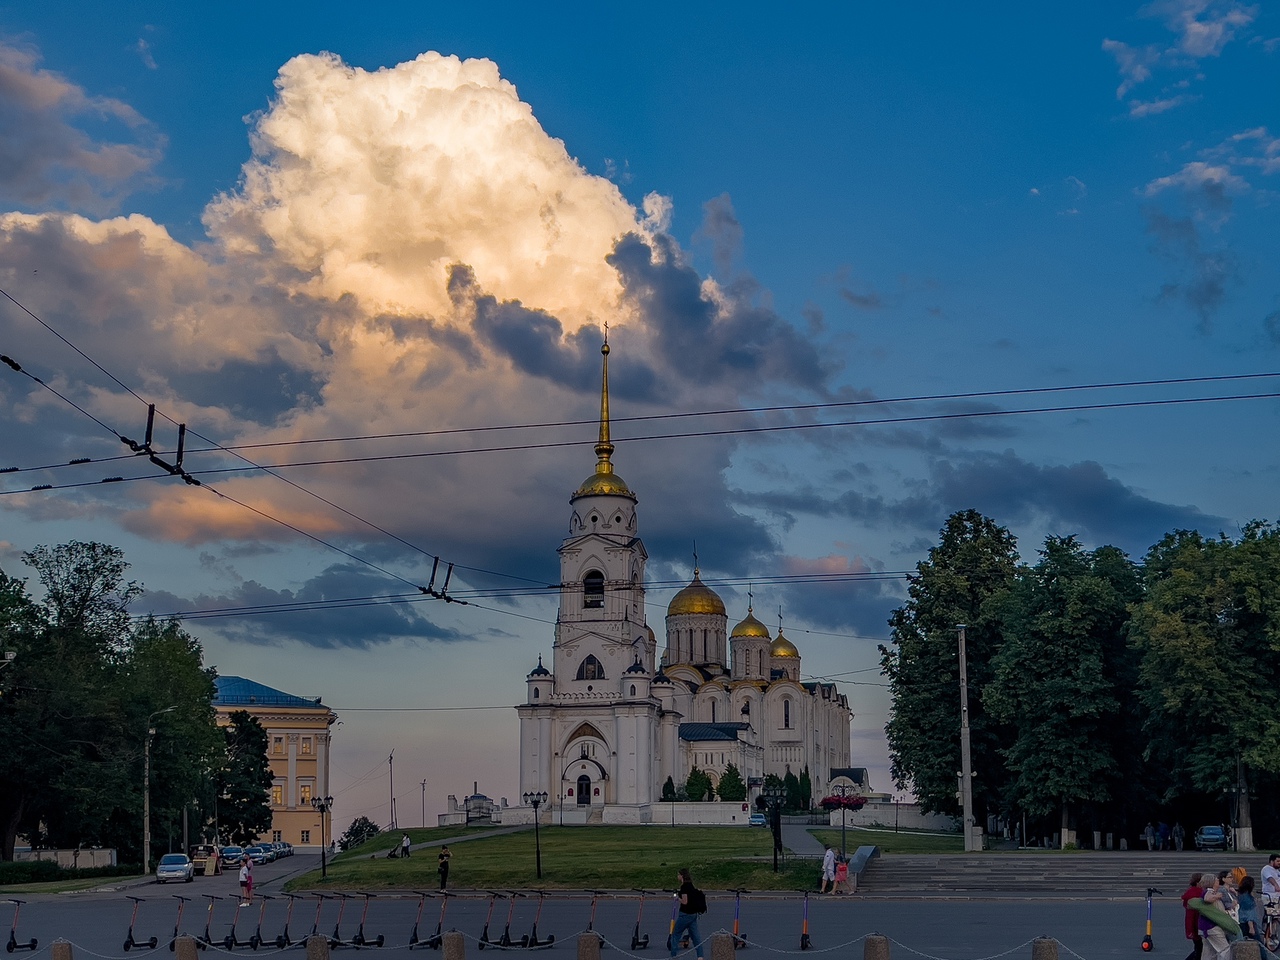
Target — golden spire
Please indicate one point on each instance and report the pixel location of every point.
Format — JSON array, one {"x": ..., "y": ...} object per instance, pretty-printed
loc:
[{"x": 604, "y": 480}]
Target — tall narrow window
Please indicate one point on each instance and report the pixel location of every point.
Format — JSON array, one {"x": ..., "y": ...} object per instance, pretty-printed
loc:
[
  {"x": 786, "y": 714},
  {"x": 593, "y": 589},
  {"x": 713, "y": 711}
]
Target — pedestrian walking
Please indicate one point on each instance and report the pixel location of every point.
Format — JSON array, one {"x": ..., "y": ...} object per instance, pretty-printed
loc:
[
  {"x": 1194, "y": 890},
  {"x": 1149, "y": 835},
  {"x": 442, "y": 866},
  {"x": 1217, "y": 947},
  {"x": 404, "y": 845},
  {"x": 246, "y": 882},
  {"x": 693, "y": 902},
  {"x": 828, "y": 869},
  {"x": 1179, "y": 835}
]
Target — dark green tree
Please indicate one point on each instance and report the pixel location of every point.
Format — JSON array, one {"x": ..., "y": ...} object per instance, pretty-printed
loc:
[
  {"x": 731, "y": 785},
  {"x": 972, "y": 565},
  {"x": 698, "y": 785},
  {"x": 361, "y": 829},
  {"x": 806, "y": 789},
  {"x": 669, "y": 790},
  {"x": 244, "y": 807},
  {"x": 1062, "y": 680},
  {"x": 794, "y": 799}
]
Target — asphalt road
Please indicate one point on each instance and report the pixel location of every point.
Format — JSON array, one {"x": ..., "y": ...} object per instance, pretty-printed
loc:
[{"x": 96, "y": 922}]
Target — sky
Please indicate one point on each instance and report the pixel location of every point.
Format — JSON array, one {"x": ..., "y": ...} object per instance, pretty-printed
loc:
[{"x": 397, "y": 227}]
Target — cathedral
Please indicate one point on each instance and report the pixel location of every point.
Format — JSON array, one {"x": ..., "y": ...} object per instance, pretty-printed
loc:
[{"x": 609, "y": 721}]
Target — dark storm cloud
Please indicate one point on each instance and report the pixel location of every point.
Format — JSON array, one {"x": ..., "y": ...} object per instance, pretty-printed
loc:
[
  {"x": 703, "y": 342},
  {"x": 861, "y": 606},
  {"x": 327, "y": 627},
  {"x": 259, "y": 391},
  {"x": 46, "y": 154},
  {"x": 535, "y": 342}
]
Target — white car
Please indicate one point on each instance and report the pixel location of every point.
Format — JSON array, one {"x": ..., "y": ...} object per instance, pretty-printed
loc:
[{"x": 175, "y": 866}]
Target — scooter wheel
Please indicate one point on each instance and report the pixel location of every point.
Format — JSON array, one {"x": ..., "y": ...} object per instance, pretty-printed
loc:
[
  {"x": 280, "y": 942},
  {"x": 153, "y": 941},
  {"x": 253, "y": 943},
  {"x": 380, "y": 941},
  {"x": 227, "y": 942},
  {"x": 128, "y": 945},
  {"x": 9, "y": 946}
]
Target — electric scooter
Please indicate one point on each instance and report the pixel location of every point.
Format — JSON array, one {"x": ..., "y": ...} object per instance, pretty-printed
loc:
[
  {"x": 484, "y": 935},
  {"x": 532, "y": 940},
  {"x": 638, "y": 942},
  {"x": 739, "y": 941},
  {"x": 14, "y": 943},
  {"x": 283, "y": 940},
  {"x": 675, "y": 910},
  {"x": 255, "y": 938},
  {"x": 129, "y": 941},
  {"x": 804, "y": 929},
  {"x": 177, "y": 924},
  {"x": 206, "y": 940},
  {"x": 230, "y": 941},
  {"x": 505, "y": 940},
  {"x": 414, "y": 939},
  {"x": 336, "y": 940},
  {"x": 359, "y": 939},
  {"x": 1147, "y": 943},
  {"x": 437, "y": 938},
  {"x": 595, "y": 895}
]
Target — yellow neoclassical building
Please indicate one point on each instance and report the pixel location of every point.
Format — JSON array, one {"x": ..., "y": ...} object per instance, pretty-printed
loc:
[{"x": 297, "y": 750}]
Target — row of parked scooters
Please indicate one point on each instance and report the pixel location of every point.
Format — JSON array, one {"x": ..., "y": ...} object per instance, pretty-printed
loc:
[{"x": 286, "y": 937}]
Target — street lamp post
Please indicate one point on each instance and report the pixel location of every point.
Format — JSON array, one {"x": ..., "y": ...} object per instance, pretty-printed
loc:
[
  {"x": 323, "y": 805},
  {"x": 773, "y": 794},
  {"x": 842, "y": 790},
  {"x": 536, "y": 800},
  {"x": 966, "y": 759},
  {"x": 146, "y": 788},
  {"x": 424, "y": 804}
]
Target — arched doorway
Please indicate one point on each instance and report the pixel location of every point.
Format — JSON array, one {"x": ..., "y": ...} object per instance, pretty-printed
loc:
[{"x": 584, "y": 790}]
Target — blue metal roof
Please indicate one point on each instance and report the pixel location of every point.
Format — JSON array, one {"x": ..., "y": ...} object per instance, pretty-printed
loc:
[
  {"x": 239, "y": 692},
  {"x": 711, "y": 731}
]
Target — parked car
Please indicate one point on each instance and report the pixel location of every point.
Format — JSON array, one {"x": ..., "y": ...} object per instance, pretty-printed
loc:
[
  {"x": 258, "y": 854},
  {"x": 757, "y": 820},
  {"x": 175, "y": 866},
  {"x": 231, "y": 856},
  {"x": 1211, "y": 838},
  {"x": 207, "y": 859}
]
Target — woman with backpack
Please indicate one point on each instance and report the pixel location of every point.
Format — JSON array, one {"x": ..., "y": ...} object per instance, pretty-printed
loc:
[{"x": 692, "y": 902}]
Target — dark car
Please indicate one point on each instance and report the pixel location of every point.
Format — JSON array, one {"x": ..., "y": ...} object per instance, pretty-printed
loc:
[
  {"x": 231, "y": 856},
  {"x": 1211, "y": 838}
]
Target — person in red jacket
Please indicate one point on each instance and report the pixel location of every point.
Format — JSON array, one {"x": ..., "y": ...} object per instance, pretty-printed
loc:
[{"x": 1193, "y": 891}]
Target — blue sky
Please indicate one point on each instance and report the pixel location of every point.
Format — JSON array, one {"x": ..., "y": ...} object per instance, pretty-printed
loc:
[{"x": 881, "y": 201}]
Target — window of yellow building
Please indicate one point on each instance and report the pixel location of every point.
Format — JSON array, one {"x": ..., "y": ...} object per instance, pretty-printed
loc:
[
  {"x": 306, "y": 746},
  {"x": 306, "y": 836},
  {"x": 277, "y": 795},
  {"x": 277, "y": 745},
  {"x": 304, "y": 795}
]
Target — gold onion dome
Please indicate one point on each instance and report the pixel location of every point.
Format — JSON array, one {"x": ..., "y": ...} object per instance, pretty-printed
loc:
[
  {"x": 750, "y": 627},
  {"x": 697, "y": 597},
  {"x": 604, "y": 482},
  {"x": 782, "y": 647}
]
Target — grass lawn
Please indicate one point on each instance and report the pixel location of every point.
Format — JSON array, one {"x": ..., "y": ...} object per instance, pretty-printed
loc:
[
  {"x": 65, "y": 886},
  {"x": 391, "y": 838},
  {"x": 890, "y": 842},
  {"x": 576, "y": 858}
]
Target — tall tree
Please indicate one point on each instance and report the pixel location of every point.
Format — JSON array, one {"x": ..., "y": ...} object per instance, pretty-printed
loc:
[
  {"x": 1208, "y": 633},
  {"x": 731, "y": 785},
  {"x": 244, "y": 805},
  {"x": 1062, "y": 679},
  {"x": 973, "y": 565}
]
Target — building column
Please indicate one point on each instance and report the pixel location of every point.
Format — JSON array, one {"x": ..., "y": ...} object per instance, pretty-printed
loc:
[
  {"x": 322, "y": 764},
  {"x": 291, "y": 785}
]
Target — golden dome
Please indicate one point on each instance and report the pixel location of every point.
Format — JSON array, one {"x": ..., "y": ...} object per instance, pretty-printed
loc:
[
  {"x": 750, "y": 627},
  {"x": 604, "y": 484},
  {"x": 697, "y": 597},
  {"x": 782, "y": 647}
]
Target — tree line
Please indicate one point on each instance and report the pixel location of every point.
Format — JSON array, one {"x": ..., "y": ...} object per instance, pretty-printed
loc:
[
  {"x": 87, "y": 684},
  {"x": 1103, "y": 693}
]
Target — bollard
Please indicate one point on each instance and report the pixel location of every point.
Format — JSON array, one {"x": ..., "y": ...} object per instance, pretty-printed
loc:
[
  {"x": 875, "y": 947},
  {"x": 588, "y": 946},
  {"x": 1044, "y": 948},
  {"x": 185, "y": 948},
  {"x": 1246, "y": 950},
  {"x": 60, "y": 950},
  {"x": 317, "y": 948},
  {"x": 453, "y": 946},
  {"x": 722, "y": 946}
]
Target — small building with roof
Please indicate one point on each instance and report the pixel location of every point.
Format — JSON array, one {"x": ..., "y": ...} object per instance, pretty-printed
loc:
[
  {"x": 297, "y": 752},
  {"x": 611, "y": 719}
]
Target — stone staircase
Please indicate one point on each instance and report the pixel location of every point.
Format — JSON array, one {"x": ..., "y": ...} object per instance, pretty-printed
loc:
[{"x": 1105, "y": 875}]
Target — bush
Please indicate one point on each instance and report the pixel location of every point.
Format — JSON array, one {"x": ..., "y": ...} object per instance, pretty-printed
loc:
[{"x": 45, "y": 871}]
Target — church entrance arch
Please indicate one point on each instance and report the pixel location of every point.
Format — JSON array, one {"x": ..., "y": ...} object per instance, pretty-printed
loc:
[{"x": 584, "y": 790}]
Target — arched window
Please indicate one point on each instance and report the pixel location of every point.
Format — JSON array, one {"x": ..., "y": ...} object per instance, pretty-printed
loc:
[
  {"x": 786, "y": 714},
  {"x": 536, "y": 694},
  {"x": 593, "y": 589},
  {"x": 633, "y": 689},
  {"x": 591, "y": 669},
  {"x": 713, "y": 711}
]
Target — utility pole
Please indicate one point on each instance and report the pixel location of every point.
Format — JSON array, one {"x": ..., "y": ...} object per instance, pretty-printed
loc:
[
  {"x": 424, "y": 804},
  {"x": 966, "y": 758},
  {"x": 391, "y": 771}
]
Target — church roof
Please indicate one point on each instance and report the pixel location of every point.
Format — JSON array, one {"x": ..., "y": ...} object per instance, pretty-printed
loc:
[
  {"x": 750, "y": 627},
  {"x": 539, "y": 670},
  {"x": 636, "y": 667},
  {"x": 239, "y": 692},
  {"x": 697, "y": 597},
  {"x": 782, "y": 647},
  {"x": 712, "y": 731}
]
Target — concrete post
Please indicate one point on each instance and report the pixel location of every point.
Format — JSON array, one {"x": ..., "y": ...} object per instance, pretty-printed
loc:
[
  {"x": 875, "y": 947},
  {"x": 60, "y": 950},
  {"x": 1044, "y": 948},
  {"x": 722, "y": 947},
  {"x": 588, "y": 946},
  {"x": 453, "y": 946},
  {"x": 185, "y": 948},
  {"x": 1246, "y": 950},
  {"x": 317, "y": 948}
]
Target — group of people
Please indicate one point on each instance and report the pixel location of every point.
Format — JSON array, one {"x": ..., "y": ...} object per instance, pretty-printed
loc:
[
  {"x": 1161, "y": 837},
  {"x": 1233, "y": 892},
  {"x": 835, "y": 871}
]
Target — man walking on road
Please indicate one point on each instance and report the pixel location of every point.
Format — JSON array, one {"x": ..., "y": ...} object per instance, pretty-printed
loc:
[
  {"x": 828, "y": 870},
  {"x": 404, "y": 846}
]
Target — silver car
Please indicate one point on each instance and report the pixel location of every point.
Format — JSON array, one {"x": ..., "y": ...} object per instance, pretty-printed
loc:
[{"x": 175, "y": 866}]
